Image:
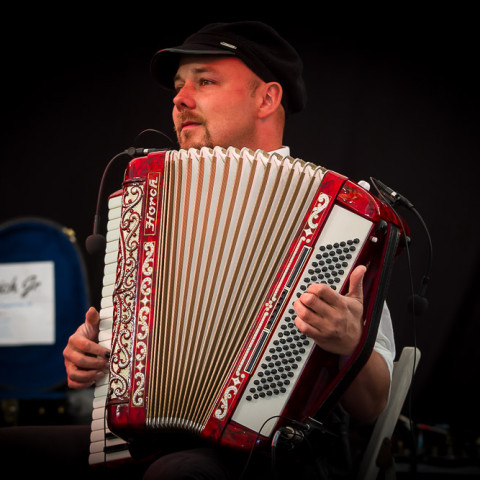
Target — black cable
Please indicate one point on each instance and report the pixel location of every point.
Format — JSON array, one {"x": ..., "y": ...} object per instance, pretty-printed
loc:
[
  {"x": 249, "y": 458},
  {"x": 96, "y": 242},
  {"x": 152, "y": 130},
  {"x": 273, "y": 450},
  {"x": 278, "y": 434},
  {"x": 418, "y": 302}
]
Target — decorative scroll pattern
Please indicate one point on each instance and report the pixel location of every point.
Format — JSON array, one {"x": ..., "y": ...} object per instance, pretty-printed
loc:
[
  {"x": 230, "y": 392},
  {"x": 142, "y": 324},
  {"x": 322, "y": 203},
  {"x": 124, "y": 295}
]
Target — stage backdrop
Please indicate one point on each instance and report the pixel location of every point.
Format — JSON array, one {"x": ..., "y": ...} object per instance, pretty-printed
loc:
[{"x": 395, "y": 98}]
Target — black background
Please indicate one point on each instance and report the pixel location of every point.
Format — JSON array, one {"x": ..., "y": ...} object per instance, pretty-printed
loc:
[{"x": 392, "y": 95}]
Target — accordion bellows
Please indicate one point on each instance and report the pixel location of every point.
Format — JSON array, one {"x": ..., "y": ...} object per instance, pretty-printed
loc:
[
  {"x": 214, "y": 245},
  {"x": 226, "y": 227}
]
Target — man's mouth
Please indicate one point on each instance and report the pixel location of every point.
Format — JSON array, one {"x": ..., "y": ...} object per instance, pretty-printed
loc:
[
  {"x": 189, "y": 124},
  {"x": 189, "y": 121}
]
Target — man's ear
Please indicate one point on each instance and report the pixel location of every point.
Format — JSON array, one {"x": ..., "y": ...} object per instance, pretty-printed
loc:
[{"x": 271, "y": 99}]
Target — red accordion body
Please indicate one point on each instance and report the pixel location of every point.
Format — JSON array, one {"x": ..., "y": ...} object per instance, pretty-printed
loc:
[{"x": 191, "y": 350}]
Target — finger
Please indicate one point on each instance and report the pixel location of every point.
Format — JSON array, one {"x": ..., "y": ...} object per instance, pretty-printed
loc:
[
  {"x": 304, "y": 306},
  {"x": 91, "y": 325},
  {"x": 355, "y": 289},
  {"x": 80, "y": 343},
  {"x": 85, "y": 361},
  {"x": 313, "y": 316},
  {"x": 324, "y": 292},
  {"x": 307, "y": 329},
  {"x": 80, "y": 379},
  {"x": 92, "y": 317},
  {"x": 85, "y": 338},
  {"x": 312, "y": 309}
]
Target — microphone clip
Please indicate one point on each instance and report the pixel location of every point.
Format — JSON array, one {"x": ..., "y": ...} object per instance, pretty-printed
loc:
[
  {"x": 96, "y": 242},
  {"x": 140, "y": 152},
  {"x": 390, "y": 195}
]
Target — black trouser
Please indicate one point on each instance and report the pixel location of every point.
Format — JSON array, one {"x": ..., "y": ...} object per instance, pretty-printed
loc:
[{"x": 62, "y": 452}]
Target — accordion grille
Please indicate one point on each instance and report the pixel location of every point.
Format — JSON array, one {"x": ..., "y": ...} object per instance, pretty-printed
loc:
[{"x": 228, "y": 220}]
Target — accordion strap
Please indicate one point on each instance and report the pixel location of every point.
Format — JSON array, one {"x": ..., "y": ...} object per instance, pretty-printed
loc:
[{"x": 352, "y": 368}]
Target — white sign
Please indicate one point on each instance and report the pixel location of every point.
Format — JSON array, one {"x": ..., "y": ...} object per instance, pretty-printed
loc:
[{"x": 27, "y": 303}]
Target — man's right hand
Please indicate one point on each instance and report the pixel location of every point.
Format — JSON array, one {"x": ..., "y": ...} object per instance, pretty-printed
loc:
[{"x": 85, "y": 360}]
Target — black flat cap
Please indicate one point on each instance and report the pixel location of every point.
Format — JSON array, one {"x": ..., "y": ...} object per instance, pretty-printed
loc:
[{"x": 257, "y": 45}]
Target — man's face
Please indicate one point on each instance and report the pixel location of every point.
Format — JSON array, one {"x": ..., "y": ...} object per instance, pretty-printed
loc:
[{"x": 215, "y": 103}]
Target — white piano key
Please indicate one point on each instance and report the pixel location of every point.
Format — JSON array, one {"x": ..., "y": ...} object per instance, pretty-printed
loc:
[
  {"x": 98, "y": 413},
  {"x": 99, "y": 446},
  {"x": 110, "y": 279},
  {"x": 102, "y": 381},
  {"x": 109, "y": 275},
  {"x": 106, "y": 324},
  {"x": 112, "y": 246},
  {"x": 107, "y": 291},
  {"x": 99, "y": 402},
  {"x": 98, "y": 429},
  {"x": 106, "y": 302},
  {"x": 98, "y": 424},
  {"x": 112, "y": 457},
  {"x": 115, "y": 200},
  {"x": 112, "y": 225},
  {"x": 106, "y": 313},
  {"x": 115, "y": 212},
  {"x": 106, "y": 343},
  {"x": 101, "y": 390},
  {"x": 98, "y": 435},
  {"x": 113, "y": 235},
  {"x": 110, "y": 269},
  {"x": 104, "y": 335},
  {"x": 111, "y": 257}
]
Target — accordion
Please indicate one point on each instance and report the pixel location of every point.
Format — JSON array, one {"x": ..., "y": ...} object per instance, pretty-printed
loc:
[{"x": 206, "y": 252}]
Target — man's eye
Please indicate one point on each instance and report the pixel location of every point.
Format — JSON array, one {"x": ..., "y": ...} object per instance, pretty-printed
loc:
[{"x": 205, "y": 81}]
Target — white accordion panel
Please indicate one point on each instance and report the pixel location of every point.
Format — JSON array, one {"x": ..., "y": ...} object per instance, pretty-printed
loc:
[{"x": 269, "y": 388}]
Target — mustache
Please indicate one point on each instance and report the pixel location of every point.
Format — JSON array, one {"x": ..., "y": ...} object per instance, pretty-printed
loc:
[{"x": 189, "y": 117}]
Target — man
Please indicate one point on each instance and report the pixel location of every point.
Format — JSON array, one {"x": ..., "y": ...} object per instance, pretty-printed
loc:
[{"x": 234, "y": 85}]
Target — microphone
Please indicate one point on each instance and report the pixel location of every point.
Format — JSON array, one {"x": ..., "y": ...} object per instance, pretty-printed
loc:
[
  {"x": 418, "y": 302},
  {"x": 395, "y": 196},
  {"x": 96, "y": 242}
]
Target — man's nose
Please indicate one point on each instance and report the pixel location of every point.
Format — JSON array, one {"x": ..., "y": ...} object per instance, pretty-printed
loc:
[{"x": 185, "y": 97}]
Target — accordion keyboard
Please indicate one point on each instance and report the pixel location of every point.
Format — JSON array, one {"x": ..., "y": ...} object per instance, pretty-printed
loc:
[{"x": 105, "y": 447}]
